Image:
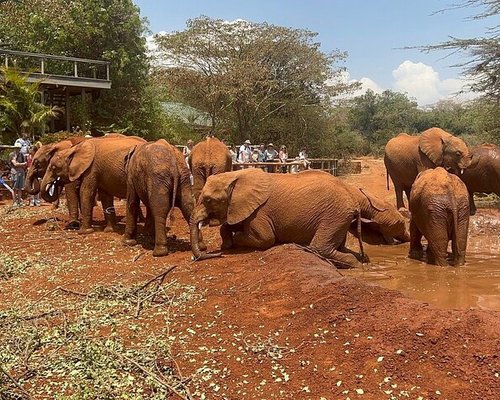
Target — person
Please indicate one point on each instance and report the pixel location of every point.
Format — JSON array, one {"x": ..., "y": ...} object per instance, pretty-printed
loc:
[
  {"x": 271, "y": 155},
  {"x": 234, "y": 153},
  {"x": 262, "y": 153},
  {"x": 18, "y": 172},
  {"x": 303, "y": 156},
  {"x": 186, "y": 151},
  {"x": 283, "y": 157},
  {"x": 255, "y": 155},
  {"x": 34, "y": 199},
  {"x": 24, "y": 143},
  {"x": 245, "y": 155}
]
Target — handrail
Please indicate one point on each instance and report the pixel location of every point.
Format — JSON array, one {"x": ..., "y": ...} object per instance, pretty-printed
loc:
[{"x": 52, "y": 57}]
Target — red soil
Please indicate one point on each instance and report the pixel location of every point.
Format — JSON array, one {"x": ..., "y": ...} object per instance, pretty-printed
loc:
[{"x": 283, "y": 323}]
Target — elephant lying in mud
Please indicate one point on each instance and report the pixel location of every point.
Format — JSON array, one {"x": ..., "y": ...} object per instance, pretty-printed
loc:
[
  {"x": 38, "y": 168},
  {"x": 406, "y": 156},
  {"x": 483, "y": 175},
  {"x": 439, "y": 205},
  {"x": 381, "y": 222},
  {"x": 207, "y": 158},
  {"x": 158, "y": 176},
  {"x": 99, "y": 165},
  {"x": 259, "y": 210}
]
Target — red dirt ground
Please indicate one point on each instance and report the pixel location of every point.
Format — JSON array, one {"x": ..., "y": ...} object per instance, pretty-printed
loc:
[{"x": 281, "y": 323}]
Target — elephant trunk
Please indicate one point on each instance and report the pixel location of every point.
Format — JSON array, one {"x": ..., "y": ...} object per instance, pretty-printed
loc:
[
  {"x": 49, "y": 190},
  {"x": 194, "y": 229},
  {"x": 32, "y": 185}
]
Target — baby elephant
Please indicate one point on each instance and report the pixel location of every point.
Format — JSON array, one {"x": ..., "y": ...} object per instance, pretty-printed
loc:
[{"x": 439, "y": 205}]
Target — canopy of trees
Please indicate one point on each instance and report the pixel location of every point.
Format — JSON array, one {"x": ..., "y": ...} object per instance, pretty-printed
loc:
[{"x": 254, "y": 80}]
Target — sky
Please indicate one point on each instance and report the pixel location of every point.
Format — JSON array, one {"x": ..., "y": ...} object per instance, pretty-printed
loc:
[{"x": 372, "y": 32}]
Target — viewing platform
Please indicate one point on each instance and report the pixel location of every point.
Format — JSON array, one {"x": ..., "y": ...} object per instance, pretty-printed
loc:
[{"x": 59, "y": 70}]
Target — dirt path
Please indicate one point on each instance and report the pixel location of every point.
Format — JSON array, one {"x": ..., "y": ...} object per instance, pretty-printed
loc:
[{"x": 251, "y": 325}]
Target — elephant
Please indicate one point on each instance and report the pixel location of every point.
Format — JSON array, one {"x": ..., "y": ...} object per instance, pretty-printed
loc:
[
  {"x": 254, "y": 209},
  {"x": 38, "y": 168},
  {"x": 439, "y": 206},
  {"x": 406, "y": 156},
  {"x": 483, "y": 175},
  {"x": 207, "y": 158},
  {"x": 381, "y": 222},
  {"x": 99, "y": 164},
  {"x": 158, "y": 176}
]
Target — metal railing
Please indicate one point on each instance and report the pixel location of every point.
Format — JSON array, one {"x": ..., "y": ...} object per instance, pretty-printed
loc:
[{"x": 37, "y": 63}]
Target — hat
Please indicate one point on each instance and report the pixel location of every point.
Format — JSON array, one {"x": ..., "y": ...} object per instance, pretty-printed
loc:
[
  {"x": 248, "y": 142},
  {"x": 270, "y": 145},
  {"x": 18, "y": 145}
]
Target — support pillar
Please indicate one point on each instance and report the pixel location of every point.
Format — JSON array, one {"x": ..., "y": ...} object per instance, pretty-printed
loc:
[{"x": 68, "y": 127}]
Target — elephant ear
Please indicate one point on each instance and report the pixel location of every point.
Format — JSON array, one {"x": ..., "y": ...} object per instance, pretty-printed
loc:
[
  {"x": 249, "y": 189},
  {"x": 431, "y": 144},
  {"x": 128, "y": 157},
  {"x": 375, "y": 202},
  {"x": 475, "y": 160},
  {"x": 79, "y": 159}
]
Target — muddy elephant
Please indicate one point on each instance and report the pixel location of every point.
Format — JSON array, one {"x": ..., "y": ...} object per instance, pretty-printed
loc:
[
  {"x": 439, "y": 205},
  {"x": 381, "y": 222},
  {"x": 483, "y": 175},
  {"x": 158, "y": 176},
  {"x": 38, "y": 168},
  {"x": 254, "y": 210},
  {"x": 406, "y": 156},
  {"x": 99, "y": 165},
  {"x": 207, "y": 158}
]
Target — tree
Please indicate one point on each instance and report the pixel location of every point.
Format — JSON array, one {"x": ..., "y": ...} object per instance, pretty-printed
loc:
[
  {"x": 20, "y": 109},
  {"x": 483, "y": 66},
  {"x": 97, "y": 29},
  {"x": 378, "y": 117},
  {"x": 251, "y": 78}
]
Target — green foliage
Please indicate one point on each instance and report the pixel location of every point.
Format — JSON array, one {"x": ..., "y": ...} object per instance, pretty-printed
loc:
[
  {"x": 20, "y": 109},
  {"x": 58, "y": 136},
  {"x": 96, "y": 29},
  {"x": 255, "y": 80}
]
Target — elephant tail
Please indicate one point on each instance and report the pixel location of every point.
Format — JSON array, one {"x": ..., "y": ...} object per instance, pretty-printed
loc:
[{"x": 360, "y": 238}]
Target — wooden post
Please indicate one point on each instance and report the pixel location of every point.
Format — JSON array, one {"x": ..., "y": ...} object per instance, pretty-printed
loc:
[
  {"x": 107, "y": 72},
  {"x": 76, "y": 69},
  {"x": 42, "y": 67},
  {"x": 6, "y": 61},
  {"x": 68, "y": 127}
]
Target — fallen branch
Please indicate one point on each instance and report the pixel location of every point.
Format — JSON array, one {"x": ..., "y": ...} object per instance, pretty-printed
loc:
[
  {"x": 72, "y": 292},
  {"x": 149, "y": 373},
  {"x": 160, "y": 276},
  {"x": 24, "y": 392}
]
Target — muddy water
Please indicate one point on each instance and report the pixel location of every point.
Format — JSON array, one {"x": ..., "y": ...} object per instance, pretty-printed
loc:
[{"x": 475, "y": 285}]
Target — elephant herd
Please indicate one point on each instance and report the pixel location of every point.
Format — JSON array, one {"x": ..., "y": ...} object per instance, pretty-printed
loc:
[{"x": 257, "y": 209}]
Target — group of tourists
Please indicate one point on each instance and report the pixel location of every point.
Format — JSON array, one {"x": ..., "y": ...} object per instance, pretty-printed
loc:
[
  {"x": 19, "y": 161},
  {"x": 263, "y": 154}
]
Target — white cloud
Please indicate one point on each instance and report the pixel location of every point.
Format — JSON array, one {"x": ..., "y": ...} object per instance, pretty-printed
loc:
[{"x": 421, "y": 82}]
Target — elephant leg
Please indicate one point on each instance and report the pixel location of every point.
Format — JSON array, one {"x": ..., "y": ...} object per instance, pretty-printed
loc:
[
  {"x": 133, "y": 206},
  {"x": 472, "y": 205},
  {"x": 416, "y": 249},
  {"x": 72, "y": 202},
  {"x": 259, "y": 236},
  {"x": 226, "y": 233},
  {"x": 109, "y": 211},
  {"x": 437, "y": 249},
  {"x": 88, "y": 192},
  {"x": 159, "y": 209},
  {"x": 327, "y": 243},
  {"x": 399, "y": 196},
  {"x": 459, "y": 245}
]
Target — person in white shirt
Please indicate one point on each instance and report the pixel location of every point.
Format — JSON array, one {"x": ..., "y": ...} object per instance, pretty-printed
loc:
[
  {"x": 271, "y": 155},
  {"x": 245, "y": 155}
]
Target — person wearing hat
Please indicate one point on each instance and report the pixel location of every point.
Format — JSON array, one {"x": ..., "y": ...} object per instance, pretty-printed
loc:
[
  {"x": 18, "y": 172},
  {"x": 245, "y": 154},
  {"x": 271, "y": 155}
]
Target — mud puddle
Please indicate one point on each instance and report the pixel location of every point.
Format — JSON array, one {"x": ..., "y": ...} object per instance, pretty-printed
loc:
[{"x": 475, "y": 285}]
